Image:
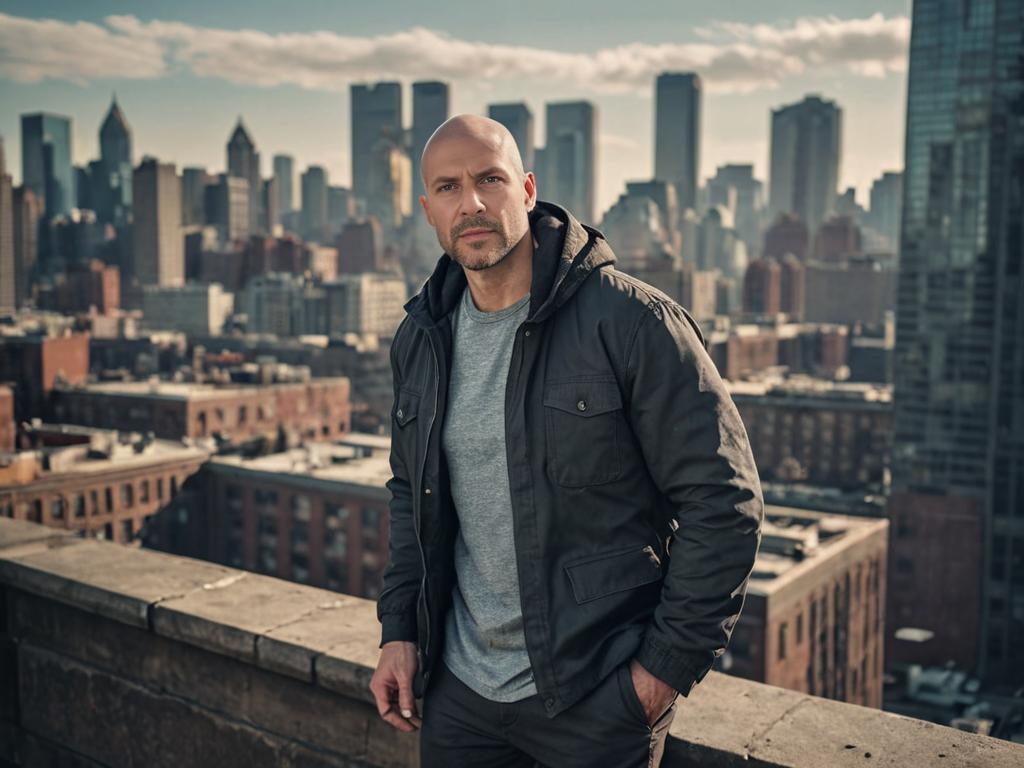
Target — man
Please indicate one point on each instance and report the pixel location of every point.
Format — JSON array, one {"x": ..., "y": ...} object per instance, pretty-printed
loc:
[{"x": 575, "y": 510}]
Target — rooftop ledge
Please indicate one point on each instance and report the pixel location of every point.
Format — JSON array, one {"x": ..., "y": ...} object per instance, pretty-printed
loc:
[{"x": 116, "y": 656}]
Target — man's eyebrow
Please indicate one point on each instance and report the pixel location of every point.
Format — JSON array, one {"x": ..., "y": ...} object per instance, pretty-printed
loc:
[{"x": 492, "y": 171}]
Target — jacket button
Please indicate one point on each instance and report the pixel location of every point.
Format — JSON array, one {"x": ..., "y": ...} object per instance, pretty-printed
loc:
[
  {"x": 581, "y": 405},
  {"x": 526, "y": 334},
  {"x": 399, "y": 413},
  {"x": 426, "y": 491},
  {"x": 549, "y": 703}
]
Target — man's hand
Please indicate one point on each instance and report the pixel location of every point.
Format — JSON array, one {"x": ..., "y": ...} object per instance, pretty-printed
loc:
[
  {"x": 391, "y": 685},
  {"x": 655, "y": 695}
]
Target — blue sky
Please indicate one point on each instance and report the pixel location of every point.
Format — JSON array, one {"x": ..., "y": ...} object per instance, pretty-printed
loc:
[{"x": 184, "y": 72}]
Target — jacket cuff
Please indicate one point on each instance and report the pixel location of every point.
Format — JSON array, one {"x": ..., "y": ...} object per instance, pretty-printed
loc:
[
  {"x": 398, "y": 626},
  {"x": 680, "y": 669}
]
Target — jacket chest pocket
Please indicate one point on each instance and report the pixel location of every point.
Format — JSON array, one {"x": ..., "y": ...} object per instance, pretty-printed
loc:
[{"x": 583, "y": 420}]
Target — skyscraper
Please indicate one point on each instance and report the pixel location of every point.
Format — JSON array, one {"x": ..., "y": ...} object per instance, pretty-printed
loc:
[
  {"x": 806, "y": 144},
  {"x": 429, "y": 109},
  {"x": 376, "y": 111},
  {"x": 244, "y": 163},
  {"x": 46, "y": 161},
  {"x": 28, "y": 209},
  {"x": 957, "y": 506},
  {"x": 677, "y": 133},
  {"x": 314, "y": 203},
  {"x": 8, "y": 280},
  {"x": 112, "y": 185},
  {"x": 284, "y": 179},
  {"x": 571, "y": 156},
  {"x": 518, "y": 118},
  {"x": 886, "y": 204},
  {"x": 158, "y": 245},
  {"x": 193, "y": 186}
]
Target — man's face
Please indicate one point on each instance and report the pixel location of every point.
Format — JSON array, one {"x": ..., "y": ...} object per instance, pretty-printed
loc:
[{"x": 476, "y": 201}]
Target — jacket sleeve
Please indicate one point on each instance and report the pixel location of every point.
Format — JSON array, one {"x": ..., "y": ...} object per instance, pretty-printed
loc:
[
  {"x": 402, "y": 578},
  {"x": 697, "y": 452}
]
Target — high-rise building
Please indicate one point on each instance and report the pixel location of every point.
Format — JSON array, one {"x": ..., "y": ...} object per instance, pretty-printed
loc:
[
  {"x": 46, "y": 161},
  {"x": 284, "y": 180},
  {"x": 677, "y": 133},
  {"x": 430, "y": 103},
  {"x": 571, "y": 156},
  {"x": 518, "y": 118},
  {"x": 376, "y": 111},
  {"x": 957, "y": 509},
  {"x": 244, "y": 163},
  {"x": 885, "y": 206},
  {"x": 226, "y": 207},
  {"x": 112, "y": 175},
  {"x": 339, "y": 209},
  {"x": 735, "y": 187},
  {"x": 158, "y": 244},
  {"x": 8, "y": 279},
  {"x": 388, "y": 187},
  {"x": 193, "y": 186},
  {"x": 28, "y": 209},
  {"x": 806, "y": 144},
  {"x": 314, "y": 203}
]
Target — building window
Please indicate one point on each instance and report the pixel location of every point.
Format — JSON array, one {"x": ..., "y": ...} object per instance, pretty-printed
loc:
[
  {"x": 242, "y": 414},
  {"x": 144, "y": 491},
  {"x": 109, "y": 499},
  {"x": 79, "y": 505},
  {"x": 799, "y": 628},
  {"x": 57, "y": 508},
  {"x": 336, "y": 547},
  {"x": 782, "y": 641},
  {"x": 36, "y": 515},
  {"x": 300, "y": 537},
  {"x": 126, "y": 531},
  {"x": 108, "y": 531},
  {"x": 94, "y": 502},
  {"x": 159, "y": 489},
  {"x": 127, "y": 495},
  {"x": 6, "y": 508},
  {"x": 174, "y": 486},
  {"x": 266, "y": 511}
]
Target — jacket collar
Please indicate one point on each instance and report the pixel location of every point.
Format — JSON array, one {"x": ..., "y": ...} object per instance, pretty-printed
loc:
[{"x": 567, "y": 251}]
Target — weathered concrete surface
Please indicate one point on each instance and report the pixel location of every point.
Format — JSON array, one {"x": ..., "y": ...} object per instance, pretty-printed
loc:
[
  {"x": 113, "y": 656},
  {"x": 226, "y": 617},
  {"x": 291, "y": 647},
  {"x": 111, "y": 580},
  {"x": 730, "y": 722}
]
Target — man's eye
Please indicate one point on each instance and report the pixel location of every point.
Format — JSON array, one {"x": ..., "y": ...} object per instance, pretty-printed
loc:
[
  {"x": 445, "y": 187},
  {"x": 492, "y": 178}
]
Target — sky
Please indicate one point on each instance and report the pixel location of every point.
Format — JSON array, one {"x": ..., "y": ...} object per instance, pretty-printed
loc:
[{"x": 184, "y": 72}]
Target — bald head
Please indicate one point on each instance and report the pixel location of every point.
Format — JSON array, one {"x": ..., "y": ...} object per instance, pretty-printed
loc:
[{"x": 473, "y": 132}]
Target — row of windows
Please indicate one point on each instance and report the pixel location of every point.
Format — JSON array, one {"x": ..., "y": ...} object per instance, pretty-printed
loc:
[{"x": 94, "y": 501}]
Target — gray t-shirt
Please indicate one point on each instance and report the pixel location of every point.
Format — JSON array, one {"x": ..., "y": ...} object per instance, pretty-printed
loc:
[{"x": 484, "y": 646}]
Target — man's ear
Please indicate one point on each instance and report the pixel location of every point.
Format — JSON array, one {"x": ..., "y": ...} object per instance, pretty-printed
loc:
[
  {"x": 426, "y": 209},
  {"x": 530, "y": 186}
]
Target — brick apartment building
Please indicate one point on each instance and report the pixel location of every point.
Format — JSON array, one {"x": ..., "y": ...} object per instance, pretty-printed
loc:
[
  {"x": 89, "y": 481},
  {"x": 818, "y": 432},
  {"x": 315, "y": 515},
  {"x": 33, "y": 365},
  {"x": 318, "y": 409},
  {"x": 814, "y": 618}
]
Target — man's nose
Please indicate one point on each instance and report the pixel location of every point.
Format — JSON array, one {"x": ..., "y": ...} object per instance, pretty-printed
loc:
[{"x": 471, "y": 203}]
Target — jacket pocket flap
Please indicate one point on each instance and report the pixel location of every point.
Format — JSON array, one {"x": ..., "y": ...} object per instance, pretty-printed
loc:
[
  {"x": 610, "y": 572},
  {"x": 584, "y": 398},
  {"x": 406, "y": 407}
]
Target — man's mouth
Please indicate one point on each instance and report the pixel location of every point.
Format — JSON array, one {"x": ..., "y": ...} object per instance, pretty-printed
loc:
[{"x": 475, "y": 233}]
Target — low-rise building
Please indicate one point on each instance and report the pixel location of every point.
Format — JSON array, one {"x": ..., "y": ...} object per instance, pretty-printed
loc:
[{"x": 813, "y": 619}]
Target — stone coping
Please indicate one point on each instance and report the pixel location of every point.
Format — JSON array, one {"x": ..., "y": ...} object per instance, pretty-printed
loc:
[{"x": 331, "y": 640}]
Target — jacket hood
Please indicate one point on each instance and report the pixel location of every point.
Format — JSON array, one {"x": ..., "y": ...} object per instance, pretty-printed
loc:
[{"x": 566, "y": 253}]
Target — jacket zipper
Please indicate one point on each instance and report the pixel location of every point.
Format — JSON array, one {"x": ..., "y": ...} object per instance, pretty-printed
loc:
[{"x": 423, "y": 467}]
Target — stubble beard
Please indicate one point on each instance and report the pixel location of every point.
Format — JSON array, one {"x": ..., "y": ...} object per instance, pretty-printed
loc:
[{"x": 479, "y": 254}]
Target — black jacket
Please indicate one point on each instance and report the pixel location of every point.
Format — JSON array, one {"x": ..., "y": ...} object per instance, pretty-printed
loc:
[{"x": 636, "y": 502}]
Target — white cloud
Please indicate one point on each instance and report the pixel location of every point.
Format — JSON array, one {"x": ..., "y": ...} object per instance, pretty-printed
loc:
[{"x": 731, "y": 57}]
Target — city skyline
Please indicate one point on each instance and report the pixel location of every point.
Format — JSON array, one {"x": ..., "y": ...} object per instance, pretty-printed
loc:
[{"x": 749, "y": 67}]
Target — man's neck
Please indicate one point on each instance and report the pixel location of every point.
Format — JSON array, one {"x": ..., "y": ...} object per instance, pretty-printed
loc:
[{"x": 505, "y": 283}]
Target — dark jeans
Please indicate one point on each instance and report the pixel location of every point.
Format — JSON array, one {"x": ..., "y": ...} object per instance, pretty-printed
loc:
[{"x": 607, "y": 728}]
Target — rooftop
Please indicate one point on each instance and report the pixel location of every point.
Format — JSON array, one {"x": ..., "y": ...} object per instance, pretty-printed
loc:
[
  {"x": 130, "y": 657},
  {"x": 796, "y": 541},
  {"x": 804, "y": 387},
  {"x": 355, "y": 463},
  {"x": 188, "y": 391}
]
